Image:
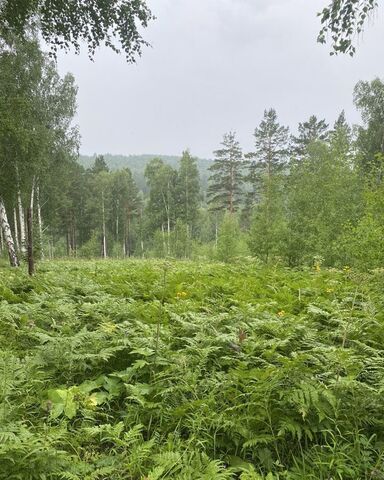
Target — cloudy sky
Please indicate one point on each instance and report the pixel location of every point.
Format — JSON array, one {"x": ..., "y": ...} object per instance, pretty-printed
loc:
[{"x": 214, "y": 66}]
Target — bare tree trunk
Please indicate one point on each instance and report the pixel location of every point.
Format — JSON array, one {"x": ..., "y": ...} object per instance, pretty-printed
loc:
[
  {"x": 22, "y": 242},
  {"x": 164, "y": 244},
  {"x": 141, "y": 233},
  {"x": 129, "y": 234},
  {"x": 104, "y": 239},
  {"x": 14, "y": 261},
  {"x": 21, "y": 222},
  {"x": 216, "y": 233},
  {"x": 117, "y": 221},
  {"x": 1, "y": 241},
  {"x": 39, "y": 221},
  {"x": 31, "y": 260},
  {"x": 16, "y": 229}
]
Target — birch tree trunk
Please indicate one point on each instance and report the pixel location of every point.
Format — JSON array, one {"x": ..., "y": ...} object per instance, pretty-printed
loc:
[
  {"x": 16, "y": 229},
  {"x": 7, "y": 234},
  {"x": 104, "y": 239},
  {"x": 22, "y": 243},
  {"x": 31, "y": 260},
  {"x": 30, "y": 252},
  {"x": 164, "y": 244},
  {"x": 21, "y": 222},
  {"x": 39, "y": 221},
  {"x": 141, "y": 233},
  {"x": 1, "y": 241}
]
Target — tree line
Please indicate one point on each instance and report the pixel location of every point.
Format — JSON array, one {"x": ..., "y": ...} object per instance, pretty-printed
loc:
[{"x": 311, "y": 197}]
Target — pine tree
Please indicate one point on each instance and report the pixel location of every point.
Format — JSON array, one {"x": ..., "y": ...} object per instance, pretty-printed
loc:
[
  {"x": 225, "y": 184},
  {"x": 310, "y": 131},
  {"x": 271, "y": 151}
]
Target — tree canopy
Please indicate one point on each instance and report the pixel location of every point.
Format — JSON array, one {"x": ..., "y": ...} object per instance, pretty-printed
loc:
[
  {"x": 66, "y": 23},
  {"x": 342, "y": 20}
]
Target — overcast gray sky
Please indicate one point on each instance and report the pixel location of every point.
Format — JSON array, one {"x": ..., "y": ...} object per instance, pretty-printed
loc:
[{"x": 214, "y": 66}]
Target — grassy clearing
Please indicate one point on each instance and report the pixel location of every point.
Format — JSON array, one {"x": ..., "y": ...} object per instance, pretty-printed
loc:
[{"x": 152, "y": 370}]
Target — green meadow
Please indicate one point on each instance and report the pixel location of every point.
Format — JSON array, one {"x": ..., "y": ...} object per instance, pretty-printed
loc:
[{"x": 181, "y": 370}]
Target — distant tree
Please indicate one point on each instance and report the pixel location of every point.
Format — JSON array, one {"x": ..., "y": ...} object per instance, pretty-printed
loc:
[
  {"x": 126, "y": 206},
  {"x": 323, "y": 195},
  {"x": 99, "y": 165},
  {"x": 62, "y": 23},
  {"x": 341, "y": 136},
  {"x": 310, "y": 131},
  {"x": 187, "y": 195},
  {"x": 162, "y": 181},
  {"x": 227, "y": 178},
  {"x": 271, "y": 150},
  {"x": 369, "y": 99},
  {"x": 268, "y": 220},
  {"x": 228, "y": 239}
]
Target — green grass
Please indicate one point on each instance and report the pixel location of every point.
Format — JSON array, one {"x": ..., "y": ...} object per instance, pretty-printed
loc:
[{"x": 178, "y": 370}]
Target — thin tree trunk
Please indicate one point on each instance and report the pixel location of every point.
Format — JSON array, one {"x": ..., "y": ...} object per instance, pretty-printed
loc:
[
  {"x": 22, "y": 242},
  {"x": 31, "y": 260},
  {"x": 1, "y": 241},
  {"x": 104, "y": 240},
  {"x": 68, "y": 242},
  {"x": 141, "y": 233},
  {"x": 14, "y": 261},
  {"x": 129, "y": 235},
  {"x": 39, "y": 221},
  {"x": 117, "y": 223},
  {"x": 164, "y": 243},
  {"x": 16, "y": 229},
  {"x": 216, "y": 233},
  {"x": 21, "y": 222}
]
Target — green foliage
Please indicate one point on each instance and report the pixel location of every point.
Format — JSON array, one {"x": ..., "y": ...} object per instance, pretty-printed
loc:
[
  {"x": 227, "y": 177},
  {"x": 342, "y": 20},
  {"x": 228, "y": 239},
  {"x": 64, "y": 24},
  {"x": 268, "y": 232},
  {"x": 146, "y": 369}
]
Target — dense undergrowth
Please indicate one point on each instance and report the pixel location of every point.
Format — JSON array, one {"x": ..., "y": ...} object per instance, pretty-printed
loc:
[{"x": 153, "y": 370}]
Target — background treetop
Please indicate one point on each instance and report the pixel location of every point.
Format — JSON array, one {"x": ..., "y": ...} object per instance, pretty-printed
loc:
[{"x": 66, "y": 23}]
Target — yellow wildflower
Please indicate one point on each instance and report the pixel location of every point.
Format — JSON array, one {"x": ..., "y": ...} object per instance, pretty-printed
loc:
[
  {"x": 108, "y": 327},
  {"x": 281, "y": 313},
  {"x": 181, "y": 294}
]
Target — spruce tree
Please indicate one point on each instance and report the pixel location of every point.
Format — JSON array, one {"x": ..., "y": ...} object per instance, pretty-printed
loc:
[{"x": 225, "y": 183}]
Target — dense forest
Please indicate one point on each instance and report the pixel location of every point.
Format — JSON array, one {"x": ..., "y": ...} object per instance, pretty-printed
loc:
[
  {"x": 184, "y": 318},
  {"x": 299, "y": 198}
]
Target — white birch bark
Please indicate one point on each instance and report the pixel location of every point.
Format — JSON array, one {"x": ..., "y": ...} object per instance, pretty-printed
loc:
[
  {"x": 21, "y": 222},
  {"x": 1, "y": 241},
  {"x": 104, "y": 239},
  {"x": 23, "y": 239},
  {"x": 16, "y": 229},
  {"x": 7, "y": 234},
  {"x": 39, "y": 221}
]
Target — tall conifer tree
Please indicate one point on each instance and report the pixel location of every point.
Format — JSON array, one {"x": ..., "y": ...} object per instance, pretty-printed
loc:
[{"x": 225, "y": 188}]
